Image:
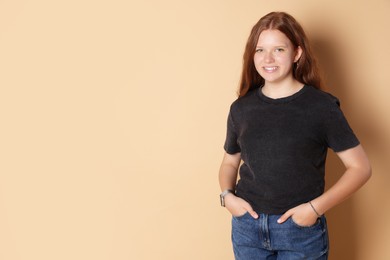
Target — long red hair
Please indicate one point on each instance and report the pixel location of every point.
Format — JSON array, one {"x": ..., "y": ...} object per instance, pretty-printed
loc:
[{"x": 305, "y": 70}]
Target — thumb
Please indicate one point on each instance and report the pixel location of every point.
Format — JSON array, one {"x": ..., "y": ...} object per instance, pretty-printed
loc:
[
  {"x": 284, "y": 217},
  {"x": 252, "y": 212}
]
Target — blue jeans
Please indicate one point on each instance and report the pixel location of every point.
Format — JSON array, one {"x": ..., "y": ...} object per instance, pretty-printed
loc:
[{"x": 264, "y": 238}]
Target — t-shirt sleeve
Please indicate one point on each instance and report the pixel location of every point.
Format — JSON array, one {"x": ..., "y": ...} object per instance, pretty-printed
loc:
[
  {"x": 231, "y": 143},
  {"x": 339, "y": 135}
]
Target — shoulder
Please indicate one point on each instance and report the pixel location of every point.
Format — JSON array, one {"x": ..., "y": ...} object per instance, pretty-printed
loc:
[
  {"x": 322, "y": 98},
  {"x": 246, "y": 100}
]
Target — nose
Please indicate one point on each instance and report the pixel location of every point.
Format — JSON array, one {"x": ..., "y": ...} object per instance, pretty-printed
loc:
[{"x": 268, "y": 57}]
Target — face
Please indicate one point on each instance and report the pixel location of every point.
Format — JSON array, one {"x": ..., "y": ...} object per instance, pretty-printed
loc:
[{"x": 274, "y": 56}]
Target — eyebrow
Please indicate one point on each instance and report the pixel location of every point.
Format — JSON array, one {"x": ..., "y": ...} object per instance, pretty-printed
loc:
[{"x": 277, "y": 46}]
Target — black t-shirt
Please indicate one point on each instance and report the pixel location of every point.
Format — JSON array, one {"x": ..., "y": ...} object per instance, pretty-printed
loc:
[{"x": 283, "y": 144}]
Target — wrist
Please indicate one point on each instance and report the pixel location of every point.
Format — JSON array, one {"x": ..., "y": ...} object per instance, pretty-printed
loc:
[
  {"x": 314, "y": 209},
  {"x": 223, "y": 195}
]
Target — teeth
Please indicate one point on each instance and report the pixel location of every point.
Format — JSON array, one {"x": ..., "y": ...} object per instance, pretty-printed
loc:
[{"x": 270, "y": 69}]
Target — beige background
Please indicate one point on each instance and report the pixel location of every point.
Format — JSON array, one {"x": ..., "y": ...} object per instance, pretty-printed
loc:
[{"x": 113, "y": 118}]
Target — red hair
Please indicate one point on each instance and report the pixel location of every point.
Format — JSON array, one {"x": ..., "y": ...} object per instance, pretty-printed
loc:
[{"x": 305, "y": 70}]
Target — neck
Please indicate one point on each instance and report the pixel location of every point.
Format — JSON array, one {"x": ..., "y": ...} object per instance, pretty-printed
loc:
[{"x": 280, "y": 90}]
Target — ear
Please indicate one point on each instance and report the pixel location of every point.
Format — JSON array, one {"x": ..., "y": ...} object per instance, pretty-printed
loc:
[{"x": 298, "y": 54}]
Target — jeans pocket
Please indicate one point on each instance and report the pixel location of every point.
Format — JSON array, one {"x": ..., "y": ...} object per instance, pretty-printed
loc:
[
  {"x": 241, "y": 216},
  {"x": 317, "y": 223}
]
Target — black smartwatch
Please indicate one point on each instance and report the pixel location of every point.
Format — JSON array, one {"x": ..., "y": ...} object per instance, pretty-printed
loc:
[{"x": 222, "y": 196}]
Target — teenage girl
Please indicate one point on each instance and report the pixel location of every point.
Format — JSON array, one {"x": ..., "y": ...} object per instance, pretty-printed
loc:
[{"x": 278, "y": 133}]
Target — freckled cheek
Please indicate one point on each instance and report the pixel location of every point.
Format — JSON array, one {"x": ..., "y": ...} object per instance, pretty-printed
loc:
[{"x": 257, "y": 60}]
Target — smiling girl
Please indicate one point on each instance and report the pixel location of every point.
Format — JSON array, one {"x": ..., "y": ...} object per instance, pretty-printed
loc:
[{"x": 278, "y": 133}]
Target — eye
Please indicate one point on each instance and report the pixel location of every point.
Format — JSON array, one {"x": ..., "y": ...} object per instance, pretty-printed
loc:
[
  {"x": 279, "y": 50},
  {"x": 259, "y": 50}
]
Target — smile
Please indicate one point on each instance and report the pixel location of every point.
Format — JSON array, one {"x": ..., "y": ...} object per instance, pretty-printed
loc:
[{"x": 270, "y": 69}]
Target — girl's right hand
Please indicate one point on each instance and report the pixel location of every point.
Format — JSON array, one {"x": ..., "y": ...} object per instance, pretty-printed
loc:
[{"x": 238, "y": 207}]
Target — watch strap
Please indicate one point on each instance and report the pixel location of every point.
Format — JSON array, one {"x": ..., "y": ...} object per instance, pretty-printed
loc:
[{"x": 223, "y": 194}]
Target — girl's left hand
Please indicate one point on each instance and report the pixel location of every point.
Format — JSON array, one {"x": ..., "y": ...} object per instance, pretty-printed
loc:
[{"x": 302, "y": 215}]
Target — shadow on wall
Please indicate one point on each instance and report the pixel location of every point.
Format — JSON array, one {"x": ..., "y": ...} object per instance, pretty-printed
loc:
[
  {"x": 342, "y": 227},
  {"x": 365, "y": 121}
]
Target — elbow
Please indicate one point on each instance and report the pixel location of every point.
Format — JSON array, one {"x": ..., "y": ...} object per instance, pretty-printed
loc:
[
  {"x": 363, "y": 170},
  {"x": 365, "y": 166},
  {"x": 368, "y": 171}
]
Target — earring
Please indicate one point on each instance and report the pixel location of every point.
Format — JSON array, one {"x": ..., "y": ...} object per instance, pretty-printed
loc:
[{"x": 296, "y": 64}]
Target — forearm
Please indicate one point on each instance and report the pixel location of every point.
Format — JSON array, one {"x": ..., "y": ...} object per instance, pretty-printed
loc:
[
  {"x": 227, "y": 180},
  {"x": 350, "y": 182},
  {"x": 228, "y": 171},
  {"x": 227, "y": 177}
]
